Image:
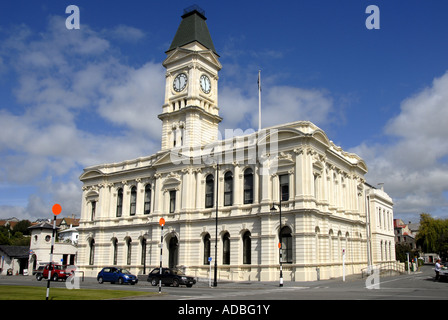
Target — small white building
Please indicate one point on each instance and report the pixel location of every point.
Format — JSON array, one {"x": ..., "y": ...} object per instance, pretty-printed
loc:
[
  {"x": 13, "y": 259},
  {"x": 69, "y": 235},
  {"x": 40, "y": 246}
]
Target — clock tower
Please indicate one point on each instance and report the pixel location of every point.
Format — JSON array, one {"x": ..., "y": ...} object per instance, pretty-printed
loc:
[{"x": 190, "y": 114}]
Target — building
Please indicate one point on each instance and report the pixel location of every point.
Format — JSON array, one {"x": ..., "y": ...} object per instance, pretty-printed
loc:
[
  {"x": 13, "y": 259},
  {"x": 69, "y": 235},
  {"x": 326, "y": 206},
  {"x": 403, "y": 234},
  {"x": 40, "y": 247}
]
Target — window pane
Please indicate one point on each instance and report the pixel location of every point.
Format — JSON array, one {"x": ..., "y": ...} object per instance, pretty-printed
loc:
[
  {"x": 119, "y": 202},
  {"x": 172, "y": 201},
  {"x": 133, "y": 201},
  {"x": 147, "y": 208},
  {"x": 284, "y": 187},
  {"x": 209, "y": 191},
  {"x": 228, "y": 189},
  {"x": 248, "y": 186}
]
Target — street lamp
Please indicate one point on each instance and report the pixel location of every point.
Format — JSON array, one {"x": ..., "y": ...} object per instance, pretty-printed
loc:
[
  {"x": 215, "y": 281},
  {"x": 273, "y": 209}
]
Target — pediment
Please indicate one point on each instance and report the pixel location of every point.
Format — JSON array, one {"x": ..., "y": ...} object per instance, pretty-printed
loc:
[
  {"x": 91, "y": 174},
  {"x": 182, "y": 53},
  {"x": 320, "y": 135},
  {"x": 164, "y": 159}
]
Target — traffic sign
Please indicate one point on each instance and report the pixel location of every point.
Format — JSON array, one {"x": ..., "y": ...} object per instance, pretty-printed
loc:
[
  {"x": 162, "y": 222},
  {"x": 57, "y": 209},
  {"x": 209, "y": 259}
]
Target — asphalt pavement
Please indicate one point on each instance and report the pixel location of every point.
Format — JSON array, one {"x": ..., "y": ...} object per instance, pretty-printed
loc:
[{"x": 418, "y": 285}]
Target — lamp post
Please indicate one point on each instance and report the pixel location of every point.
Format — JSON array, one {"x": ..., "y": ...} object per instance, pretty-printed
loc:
[
  {"x": 215, "y": 281},
  {"x": 279, "y": 237}
]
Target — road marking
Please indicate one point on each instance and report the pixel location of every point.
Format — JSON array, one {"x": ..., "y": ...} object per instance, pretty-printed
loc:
[{"x": 252, "y": 292}]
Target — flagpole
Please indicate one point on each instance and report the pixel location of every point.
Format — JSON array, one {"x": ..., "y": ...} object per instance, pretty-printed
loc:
[{"x": 259, "y": 100}]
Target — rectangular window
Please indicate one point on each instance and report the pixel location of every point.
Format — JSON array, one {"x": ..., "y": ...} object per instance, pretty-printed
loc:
[
  {"x": 93, "y": 210},
  {"x": 172, "y": 201},
  {"x": 284, "y": 187},
  {"x": 147, "y": 208}
]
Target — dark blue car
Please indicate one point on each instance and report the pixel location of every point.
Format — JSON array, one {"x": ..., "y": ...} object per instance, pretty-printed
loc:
[{"x": 113, "y": 274}]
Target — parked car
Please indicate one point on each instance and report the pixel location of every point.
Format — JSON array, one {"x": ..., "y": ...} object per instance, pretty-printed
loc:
[
  {"x": 170, "y": 276},
  {"x": 114, "y": 274},
  {"x": 56, "y": 271},
  {"x": 38, "y": 271}
]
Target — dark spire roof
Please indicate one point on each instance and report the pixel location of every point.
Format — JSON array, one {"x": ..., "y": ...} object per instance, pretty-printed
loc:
[{"x": 193, "y": 28}]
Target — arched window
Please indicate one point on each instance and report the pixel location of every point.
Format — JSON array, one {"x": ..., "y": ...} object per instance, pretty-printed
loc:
[
  {"x": 133, "y": 201},
  {"x": 247, "y": 248},
  {"x": 129, "y": 251},
  {"x": 119, "y": 202},
  {"x": 226, "y": 248},
  {"x": 209, "y": 191},
  {"x": 206, "y": 249},
  {"x": 248, "y": 186},
  {"x": 286, "y": 245},
  {"x": 92, "y": 252},
  {"x": 228, "y": 188},
  {"x": 147, "y": 208}
]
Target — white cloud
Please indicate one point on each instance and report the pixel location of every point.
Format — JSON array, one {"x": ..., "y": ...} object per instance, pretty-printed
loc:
[
  {"x": 126, "y": 33},
  {"x": 280, "y": 104},
  {"x": 414, "y": 166},
  {"x": 65, "y": 77}
]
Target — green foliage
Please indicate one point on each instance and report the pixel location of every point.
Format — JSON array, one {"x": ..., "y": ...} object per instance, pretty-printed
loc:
[
  {"x": 39, "y": 293},
  {"x": 22, "y": 226},
  {"x": 18, "y": 236},
  {"x": 433, "y": 235},
  {"x": 401, "y": 249},
  {"x": 5, "y": 236}
]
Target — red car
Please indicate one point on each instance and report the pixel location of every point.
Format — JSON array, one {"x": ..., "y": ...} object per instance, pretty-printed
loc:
[{"x": 57, "y": 272}]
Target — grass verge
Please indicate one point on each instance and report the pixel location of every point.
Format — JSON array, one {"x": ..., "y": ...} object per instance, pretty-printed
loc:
[{"x": 39, "y": 293}]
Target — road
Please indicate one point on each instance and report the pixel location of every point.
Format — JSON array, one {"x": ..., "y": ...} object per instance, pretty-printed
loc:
[{"x": 416, "y": 286}]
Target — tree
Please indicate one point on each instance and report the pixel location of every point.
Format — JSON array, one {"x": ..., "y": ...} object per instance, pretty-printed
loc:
[
  {"x": 433, "y": 234},
  {"x": 4, "y": 236},
  {"x": 22, "y": 226}
]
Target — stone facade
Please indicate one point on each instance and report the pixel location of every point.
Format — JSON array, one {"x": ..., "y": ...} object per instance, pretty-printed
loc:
[{"x": 326, "y": 206}]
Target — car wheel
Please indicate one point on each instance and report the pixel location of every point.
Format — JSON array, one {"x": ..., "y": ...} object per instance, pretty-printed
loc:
[
  {"x": 39, "y": 277},
  {"x": 154, "y": 281},
  {"x": 55, "y": 277},
  {"x": 100, "y": 280},
  {"x": 175, "y": 283},
  {"x": 120, "y": 281}
]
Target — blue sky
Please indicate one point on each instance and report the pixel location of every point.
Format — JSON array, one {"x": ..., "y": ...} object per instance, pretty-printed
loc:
[{"x": 75, "y": 98}]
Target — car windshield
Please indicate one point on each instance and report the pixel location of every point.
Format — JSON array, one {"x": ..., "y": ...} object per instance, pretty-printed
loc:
[{"x": 125, "y": 271}]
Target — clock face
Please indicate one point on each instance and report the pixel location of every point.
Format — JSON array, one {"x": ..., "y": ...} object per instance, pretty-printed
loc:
[
  {"x": 205, "y": 84},
  {"x": 180, "y": 82}
]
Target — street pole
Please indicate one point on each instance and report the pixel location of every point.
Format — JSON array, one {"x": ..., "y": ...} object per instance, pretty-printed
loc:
[
  {"x": 215, "y": 281},
  {"x": 162, "y": 223},
  {"x": 280, "y": 237},
  {"x": 56, "y": 210}
]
